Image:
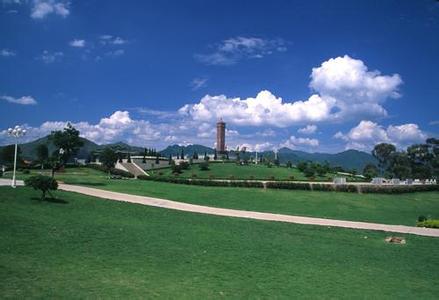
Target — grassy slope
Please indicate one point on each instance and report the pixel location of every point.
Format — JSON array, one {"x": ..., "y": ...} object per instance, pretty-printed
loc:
[
  {"x": 225, "y": 170},
  {"x": 389, "y": 209},
  {"x": 91, "y": 248}
]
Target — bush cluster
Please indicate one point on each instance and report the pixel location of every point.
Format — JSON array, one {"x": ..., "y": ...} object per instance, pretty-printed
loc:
[
  {"x": 113, "y": 171},
  {"x": 428, "y": 224}
]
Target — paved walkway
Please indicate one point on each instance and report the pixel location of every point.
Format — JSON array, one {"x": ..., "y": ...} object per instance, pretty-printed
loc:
[{"x": 168, "y": 204}]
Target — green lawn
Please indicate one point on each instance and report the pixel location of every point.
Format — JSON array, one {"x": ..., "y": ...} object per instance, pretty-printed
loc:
[
  {"x": 401, "y": 209},
  {"x": 227, "y": 170},
  {"x": 92, "y": 248}
]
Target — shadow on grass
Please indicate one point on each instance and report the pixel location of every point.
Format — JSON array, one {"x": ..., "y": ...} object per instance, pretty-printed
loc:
[{"x": 51, "y": 200}]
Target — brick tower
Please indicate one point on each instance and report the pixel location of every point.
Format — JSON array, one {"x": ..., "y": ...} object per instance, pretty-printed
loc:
[{"x": 221, "y": 136}]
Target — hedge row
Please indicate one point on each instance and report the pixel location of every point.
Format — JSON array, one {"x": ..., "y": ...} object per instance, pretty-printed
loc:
[
  {"x": 113, "y": 171},
  {"x": 203, "y": 182},
  {"x": 428, "y": 224},
  {"x": 384, "y": 189}
]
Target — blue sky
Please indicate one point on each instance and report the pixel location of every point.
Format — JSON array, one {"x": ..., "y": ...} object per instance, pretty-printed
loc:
[{"x": 310, "y": 75}]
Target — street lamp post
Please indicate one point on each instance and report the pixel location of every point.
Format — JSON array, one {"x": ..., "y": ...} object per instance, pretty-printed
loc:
[{"x": 16, "y": 132}]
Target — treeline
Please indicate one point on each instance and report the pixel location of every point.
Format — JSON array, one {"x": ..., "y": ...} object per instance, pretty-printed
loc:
[{"x": 419, "y": 161}]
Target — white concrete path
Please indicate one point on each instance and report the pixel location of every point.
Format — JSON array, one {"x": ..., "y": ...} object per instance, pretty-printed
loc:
[{"x": 168, "y": 204}]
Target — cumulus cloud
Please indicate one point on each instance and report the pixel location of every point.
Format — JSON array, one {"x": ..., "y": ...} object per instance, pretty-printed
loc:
[
  {"x": 232, "y": 50},
  {"x": 357, "y": 90},
  {"x": 264, "y": 109},
  {"x": 7, "y": 53},
  {"x": 25, "y": 100},
  {"x": 295, "y": 142},
  {"x": 344, "y": 87},
  {"x": 308, "y": 129},
  {"x": 367, "y": 134},
  {"x": 42, "y": 8},
  {"x": 77, "y": 43}
]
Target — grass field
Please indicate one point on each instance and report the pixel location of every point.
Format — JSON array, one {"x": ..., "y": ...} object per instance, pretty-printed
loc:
[
  {"x": 232, "y": 170},
  {"x": 91, "y": 248},
  {"x": 401, "y": 209}
]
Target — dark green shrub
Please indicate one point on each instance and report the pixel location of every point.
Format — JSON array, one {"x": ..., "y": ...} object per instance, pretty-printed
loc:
[
  {"x": 422, "y": 218},
  {"x": 184, "y": 165},
  {"x": 43, "y": 183},
  {"x": 26, "y": 171},
  {"x": 194, "y": 175},
  {"x": 204, "y": 166}
]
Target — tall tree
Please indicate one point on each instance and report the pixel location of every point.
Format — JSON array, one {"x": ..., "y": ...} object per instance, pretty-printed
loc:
[
  {"x": 108, "y": 158},
  {"x": 370, "y": 171},
  {"x": 400, "y": 165},
  {"x": 215, "y": 155},
  {"x": 383, "y": 153},
  {"x": 42, "y": 154},
  {"x": 67, "y": 139}
]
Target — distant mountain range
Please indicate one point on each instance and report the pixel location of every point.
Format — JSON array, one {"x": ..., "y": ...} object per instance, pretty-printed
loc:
[{"x": 349, "y": 159}]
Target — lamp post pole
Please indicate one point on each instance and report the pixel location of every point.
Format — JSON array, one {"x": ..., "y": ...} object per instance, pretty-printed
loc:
[{"x": 15, "y": 132}]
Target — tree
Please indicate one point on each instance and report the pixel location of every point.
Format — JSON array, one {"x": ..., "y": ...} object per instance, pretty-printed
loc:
[
  {"x": 195, "y": 155},
  {"x": 182, "y": 153},
  {"x": 206, "y": 157},
  {"x": 43, "y": 183},
  {"x": 320, "y": 170},
  {"x": 8, "y": 153},
  {"x": 144, "y": 156},
  {"x": 383, "y": 153},
  {"x": 129, "y": 158},
  {"x": 68, "y": 139},
  {"x": 108, "y": 159},
  {"x": 157, "y": 159},
  {"x": 400, "y": 165},
  {"x": 302, "y": 166},
  {"x": 421, "y": 157},
  {"x": 42, "y": 154},
  {"x": 170, "y": 160},
  {"x": 215, "y": 155},
  {"x": 309, "y": 171},
  {"x": 370, "y": 171}
]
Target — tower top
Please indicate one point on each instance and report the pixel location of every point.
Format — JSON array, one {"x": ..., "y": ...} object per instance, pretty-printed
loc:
[{"x": 221, "y": 120}]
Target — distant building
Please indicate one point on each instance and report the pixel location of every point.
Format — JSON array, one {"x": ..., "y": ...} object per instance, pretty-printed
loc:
[{"x": 221, "y": 136}]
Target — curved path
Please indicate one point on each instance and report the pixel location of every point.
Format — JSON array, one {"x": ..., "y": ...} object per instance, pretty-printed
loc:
[
  {"x": 168, "y": 204},
  {"x": 245, "y": 214}
]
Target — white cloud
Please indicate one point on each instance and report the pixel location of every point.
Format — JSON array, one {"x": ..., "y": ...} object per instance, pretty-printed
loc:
[
  {"x": 115, "y": 53},
  {"x": 7, "y": 53},
  {"x": 357, "y": 90},
  {"x": 50, "y": 57},
  {"x": 25, "y": 100},
  {"x": 264, "y": 109},
  {"x": 367, "y": 134},
  {"x": 308, "y": 129},
  {"x": 108, "y": 39},
  {"x": 230, "y": 51},
  {"x": 294, "y": 142},
  {"x": 198, "y": 83},
  {"x": 77, "y": 43},
  {"x": 345, "y": 90},
  {"x": 42, "y": 8}
]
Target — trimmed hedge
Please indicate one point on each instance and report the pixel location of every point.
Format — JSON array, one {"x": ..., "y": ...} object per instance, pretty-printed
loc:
[
  {"x": 113, "y": 171},
  {"x": 428, "y": 224},
  {"x": 291, "y": 185},
  {"x": 203, "y": 182}
]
